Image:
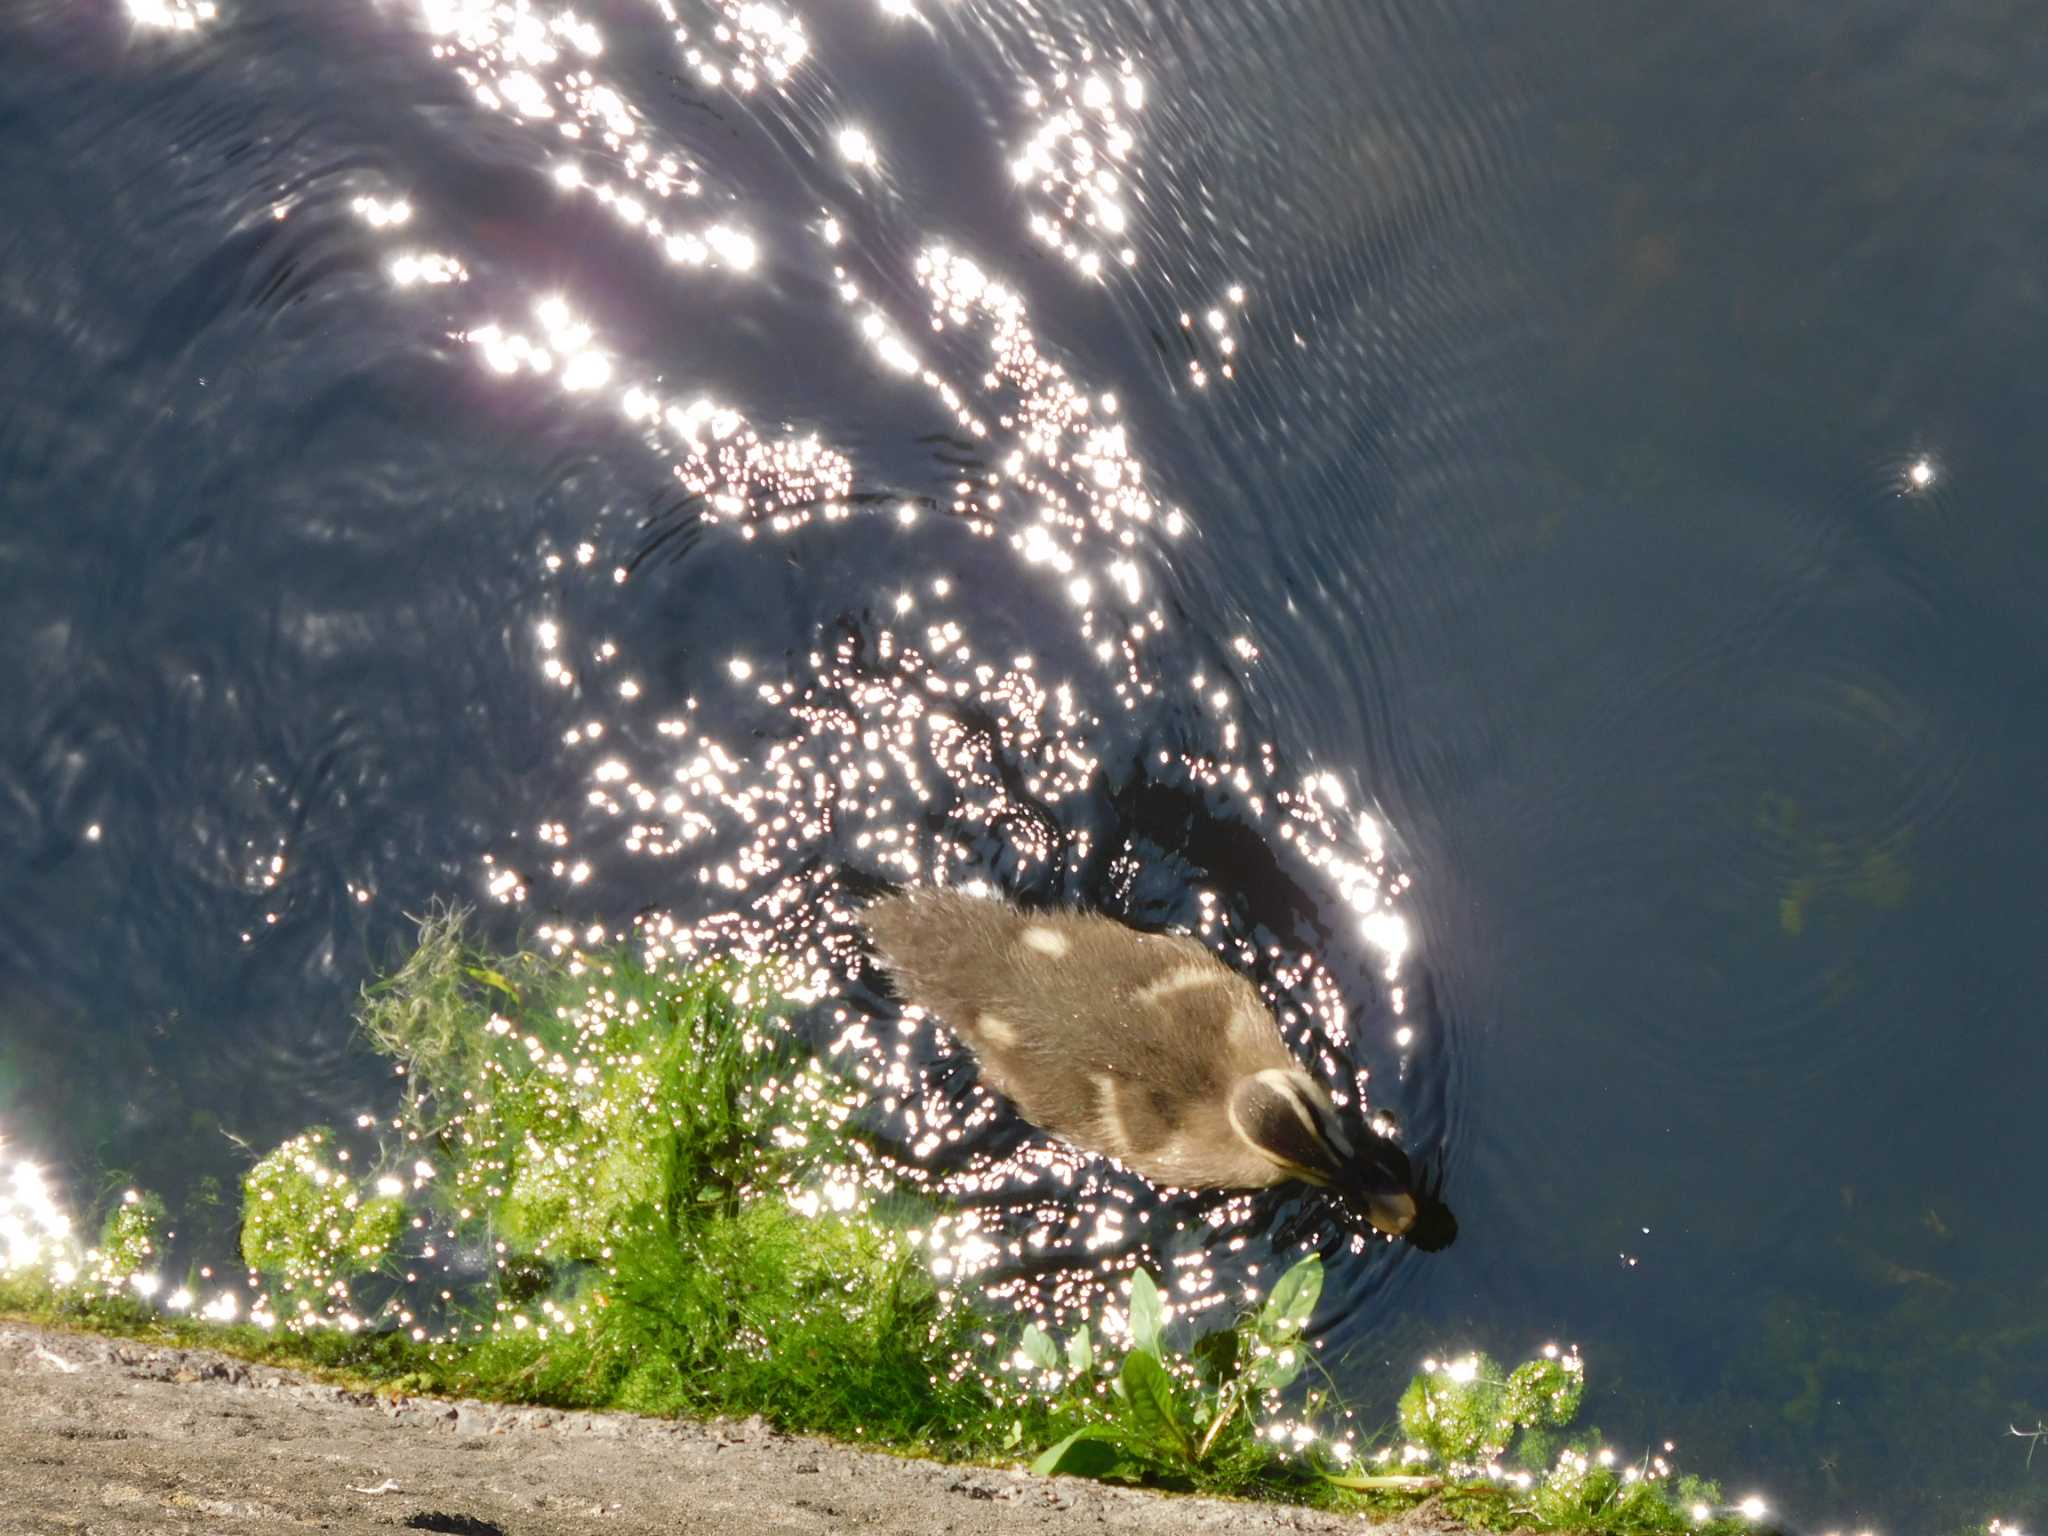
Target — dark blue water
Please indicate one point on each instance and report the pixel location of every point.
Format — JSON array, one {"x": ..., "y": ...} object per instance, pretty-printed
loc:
[{"x": 1571, "y": 485}]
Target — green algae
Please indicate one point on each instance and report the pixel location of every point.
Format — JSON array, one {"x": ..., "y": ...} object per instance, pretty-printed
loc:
[
  {"x": 307, "y": 1226},
  {"x": 132, "y": 1236},
  {"x": 1871, "y": 877}
]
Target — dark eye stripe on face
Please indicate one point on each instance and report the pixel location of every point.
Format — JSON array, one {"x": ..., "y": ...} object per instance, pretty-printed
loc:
[
  {"x": 1319, "y": 1112},
  {"x": 1333, "y": 1130}
]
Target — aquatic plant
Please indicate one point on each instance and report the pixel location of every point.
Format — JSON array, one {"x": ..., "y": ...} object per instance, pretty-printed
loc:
[
  {"x": 309, "y": 1229},
  {"x": 1218, "y": 1418},
  {"x": 1170, "y": 1418},
  {"x": 131, "y": 1238},
  {"x": 638, "y": 1149},
  {"x": 1497, "y": 1436}
]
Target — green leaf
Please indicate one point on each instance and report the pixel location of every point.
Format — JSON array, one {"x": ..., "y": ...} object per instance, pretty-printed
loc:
[
  {"x": 1390, "y": 1483},
  {"x": 1275, "y": 1370},
  {"x": 1039, "y": 1349},
  {"x": 1081, "y": 1353},
  {"x": 1288, "y": 1309},
  {"x": 1089, "y": 1452},
  {"x": 1154, "y": 1412},
  {"x": 1216, "y": 1355},
  {"x": 491, "y": 978},
  {"x": 1148, "y": 1317}
]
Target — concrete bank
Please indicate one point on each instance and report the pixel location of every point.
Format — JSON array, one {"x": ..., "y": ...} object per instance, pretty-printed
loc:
[{"x": 113, "y": 1438}]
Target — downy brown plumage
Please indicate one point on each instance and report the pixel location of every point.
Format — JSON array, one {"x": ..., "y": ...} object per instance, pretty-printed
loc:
[{"x": 1143, "y": 1047}]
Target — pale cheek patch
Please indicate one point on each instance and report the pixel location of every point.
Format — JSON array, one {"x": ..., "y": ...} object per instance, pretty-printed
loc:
[
  {"x": 996, "y": 1031},
  {"x": 1047, "y": 941},
  {"x": 1105, "y": 1108},
  {"x": 1185, "y": 979}
]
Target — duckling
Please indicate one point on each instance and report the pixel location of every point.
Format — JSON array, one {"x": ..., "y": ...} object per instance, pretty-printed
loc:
[{"x": 1142, "y": 1047}]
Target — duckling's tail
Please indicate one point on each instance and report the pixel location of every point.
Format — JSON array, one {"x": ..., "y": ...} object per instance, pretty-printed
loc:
[
  {"x": 937, "y": 945},
  {"x": 890, "y": 922}
]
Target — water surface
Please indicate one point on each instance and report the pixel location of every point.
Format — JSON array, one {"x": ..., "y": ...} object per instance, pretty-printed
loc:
[{"x": 1519, "y": 526}]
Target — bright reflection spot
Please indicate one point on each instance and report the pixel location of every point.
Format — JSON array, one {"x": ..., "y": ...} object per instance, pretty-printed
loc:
[
  {"x": 735, "y": 249},
  {"x": 586, "y": 370},
  {"x": 379, "y": 214},
  {"x": 855, "y": 146},
  {"x": 1921, "y": 474},
  {"x": 172, "y": 15},
  {"x": 1387, "y": 932},
  {"x": 1753, "y": 1508},
  {"x": 35, "y": 1230},
  {"x": 429, "y": 267}
]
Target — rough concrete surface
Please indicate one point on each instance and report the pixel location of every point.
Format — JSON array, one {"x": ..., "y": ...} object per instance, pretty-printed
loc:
[{"x": 112, "y": 1438}]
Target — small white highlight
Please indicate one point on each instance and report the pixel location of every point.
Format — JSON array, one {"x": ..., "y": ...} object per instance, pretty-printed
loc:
[{"x": 856, "y": 146}]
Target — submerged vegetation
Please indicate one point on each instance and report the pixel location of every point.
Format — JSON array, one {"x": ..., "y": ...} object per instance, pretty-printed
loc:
[{"x": 615, "y": 1182}]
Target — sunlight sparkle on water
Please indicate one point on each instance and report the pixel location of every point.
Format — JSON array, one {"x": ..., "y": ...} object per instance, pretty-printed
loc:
[
  {"x": 172, "y": 15},
  {"x": 1074, "y": 164},
  {"x": 538, "y": 68},
  {"x": 857, "y": 148},
  {"x": 888, "y": 729},
  {"x": 379, "y": 214},
  {"x": 427, "y": 267},
  {"x": 35, "y": 1230}
]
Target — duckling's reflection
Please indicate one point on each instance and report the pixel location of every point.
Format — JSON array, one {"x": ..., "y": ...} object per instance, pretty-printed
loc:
[{"x": 1145, "y": 1048}]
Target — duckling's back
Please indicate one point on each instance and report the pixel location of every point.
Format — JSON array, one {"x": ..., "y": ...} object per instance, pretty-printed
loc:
[{"x": 1122, "y": 1042}]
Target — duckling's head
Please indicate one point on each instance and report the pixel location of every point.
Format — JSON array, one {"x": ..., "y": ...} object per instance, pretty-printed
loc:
[{"x": 1288, "y": 1118}]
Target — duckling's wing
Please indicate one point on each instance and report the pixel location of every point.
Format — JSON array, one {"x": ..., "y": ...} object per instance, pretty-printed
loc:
[{"x": 1121, "y": 1042}]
